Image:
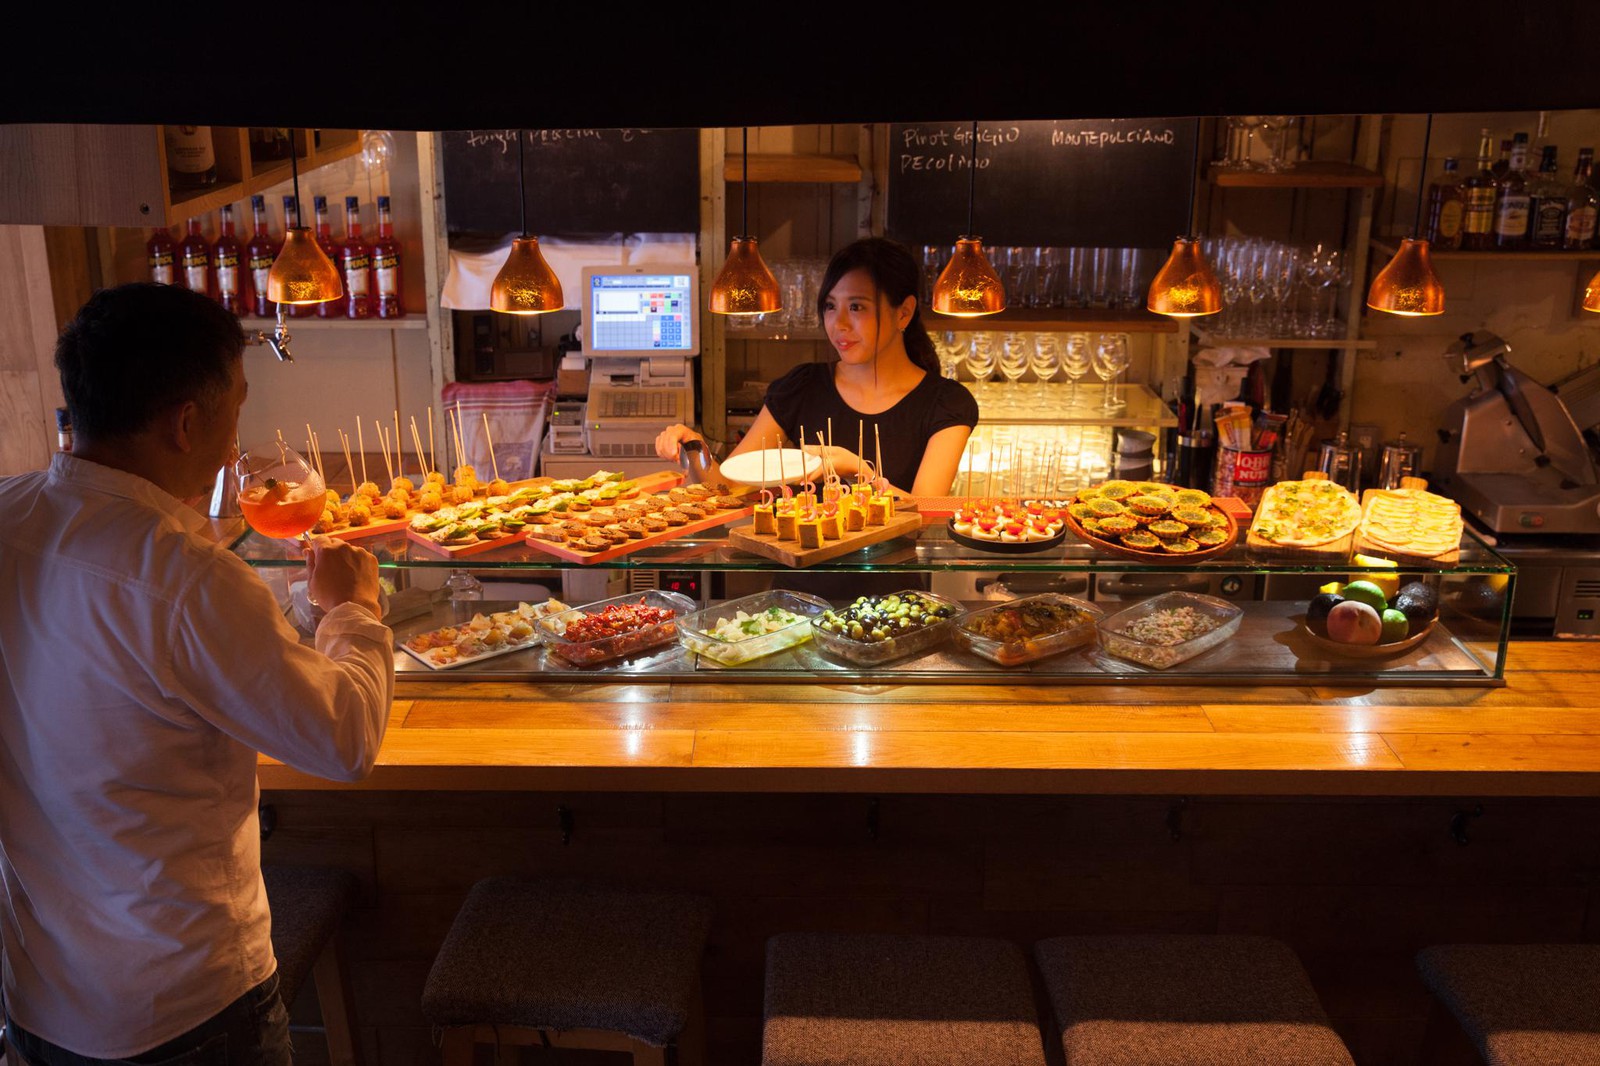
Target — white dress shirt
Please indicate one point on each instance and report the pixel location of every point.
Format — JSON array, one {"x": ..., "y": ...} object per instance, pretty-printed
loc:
[{"x": 144, "y": 668}]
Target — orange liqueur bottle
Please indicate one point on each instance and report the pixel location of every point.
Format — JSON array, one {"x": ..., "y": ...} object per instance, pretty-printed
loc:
[
  {"x": 386, "y": 266},
  {"x": 160, "y": 253},
  {"x": 330, "y": 248},
  {"x": 225, "y": 254},
  {"x": 259, "y": 255},
  {"x": 355, "y": 263},
  {"x": 194, "y": 259}
]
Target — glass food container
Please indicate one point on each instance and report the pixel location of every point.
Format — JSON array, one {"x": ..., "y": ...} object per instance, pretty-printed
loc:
[
  {"x": 870, "y": 652},
  {"x": 608, "y": 648},
  {"x": 1027, "y": 630},
  {"x": 1176, "y": 642},
  {"x": 698, "y": 633}
]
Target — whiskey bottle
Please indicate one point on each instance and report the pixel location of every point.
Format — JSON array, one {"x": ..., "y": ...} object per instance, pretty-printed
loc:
[
  {"x": 269, "y": 143},
  {"x": 1445, "y": 208},
  {"x": 1477, "y": 199},
  {"x": 1548, "y": 204},
  {"x": 259, "y": 256},
  {"x": 387, "y": 295},
  {"x": 1502, "y": 164},
  {"x": 1512, "y": 201},
  {"x": 160, "y": 252},
  {"x": 194, "y": 257},
  {"x": 225, "y": 254},
  {"x": 191, "y": 159},
  {"x": 355, "y": 263},
  {"x": 291, "y": 218},
  {"x": 330, "y": 248},
  {"x": 1582, "y": 203},
  {"x": 63, "y": 430}
]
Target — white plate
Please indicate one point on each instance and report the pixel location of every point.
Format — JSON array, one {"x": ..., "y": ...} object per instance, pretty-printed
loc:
[{"x": 784, "y": 466}]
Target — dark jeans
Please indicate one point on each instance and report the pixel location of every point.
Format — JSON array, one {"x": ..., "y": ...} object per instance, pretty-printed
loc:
[{"x": 253, "y": 1030}]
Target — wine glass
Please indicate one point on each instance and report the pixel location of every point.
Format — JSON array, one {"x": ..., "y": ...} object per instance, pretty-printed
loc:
[
  {"x": 951, "y": 348},
  {"x": 1110, "y": 358},
  {"x": 280, "y": 494},
  {"x": 1015, "y": 351},
  {"x": 1075, "y": 362},
  {"x": 1045, "y": 362},
  {"x": 981, "y": 360}
]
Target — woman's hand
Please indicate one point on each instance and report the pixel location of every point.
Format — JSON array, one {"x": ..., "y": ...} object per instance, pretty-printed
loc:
[
  {"x": 842, "y": 460},
  {"x": 669, "y": 440}
]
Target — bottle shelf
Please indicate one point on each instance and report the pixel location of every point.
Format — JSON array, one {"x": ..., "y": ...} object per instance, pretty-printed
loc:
[
  {"x": 296, "y": 325},
  {"x": 1218, "y": 340},
  {"x": 1540, "y": 255},
  {"x": 239, "y": 177},
  {"x": 1311, "y": 175},
  {"x": 1057, "y": 320}
]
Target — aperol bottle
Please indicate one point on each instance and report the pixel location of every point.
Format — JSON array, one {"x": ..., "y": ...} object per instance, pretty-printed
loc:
[
  {"x": 259, "y": 255},
  {"x": 387, "y": 296},
  {"x": 225, "y": 254}
]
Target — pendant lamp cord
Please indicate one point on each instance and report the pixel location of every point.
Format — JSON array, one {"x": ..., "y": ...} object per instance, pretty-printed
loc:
[
  {"x": 744, "y": 185},
  {"x": 294, "y": 174},
  {"x": 1194, "y": 171},
  {"x": 522, "y": 186},
  {"x": 972, "y": 178},
  {"x": 1422, "y": 177}
]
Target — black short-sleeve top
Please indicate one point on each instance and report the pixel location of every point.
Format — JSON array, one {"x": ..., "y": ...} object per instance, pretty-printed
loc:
[{"x": 807, "y": 396}]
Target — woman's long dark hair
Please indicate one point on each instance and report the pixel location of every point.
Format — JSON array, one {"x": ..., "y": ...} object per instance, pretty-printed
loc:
[{"x": 894, "y": 271}]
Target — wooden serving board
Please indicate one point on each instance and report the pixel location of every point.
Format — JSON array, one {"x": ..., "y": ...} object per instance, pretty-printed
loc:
[
  {"x": 649, "y": 540},
  {"x": 1367, "y": 547},
  {"x": 789, "y": 552},
  {"x": 1334, "y": 551},
  {"x": 395, "y": 525}
]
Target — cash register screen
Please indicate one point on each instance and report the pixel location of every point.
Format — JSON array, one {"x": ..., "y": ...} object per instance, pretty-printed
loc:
[{"x": 641, "y": 311}]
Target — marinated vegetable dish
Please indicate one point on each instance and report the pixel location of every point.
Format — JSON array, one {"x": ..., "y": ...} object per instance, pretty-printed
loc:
[
  {"x": 1171, "y": 625},
  {"x": 743, "y": 626},
  {"x": 616, "y": 620},
  {"x": 873, "y": 619},
  {"x": 1028, "y": 620}
]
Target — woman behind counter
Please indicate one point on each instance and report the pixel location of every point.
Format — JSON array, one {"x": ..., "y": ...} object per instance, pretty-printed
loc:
[{"x": 885, "y": 385}]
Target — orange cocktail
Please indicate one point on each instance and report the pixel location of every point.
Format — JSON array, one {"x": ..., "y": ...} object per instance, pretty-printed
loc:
[{"x": 281, "y": 508}]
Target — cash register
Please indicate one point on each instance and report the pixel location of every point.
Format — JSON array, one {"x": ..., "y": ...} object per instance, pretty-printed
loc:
[{"x": 640, "y": 332}]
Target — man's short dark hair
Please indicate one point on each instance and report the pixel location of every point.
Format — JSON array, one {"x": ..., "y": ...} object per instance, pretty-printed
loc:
[{"x": 137, "y": 350}]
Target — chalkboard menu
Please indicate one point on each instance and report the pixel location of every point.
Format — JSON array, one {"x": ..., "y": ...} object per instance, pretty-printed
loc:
[
  {"x": 1093, "y": 183},
  {"x": 578, "y": 181}
]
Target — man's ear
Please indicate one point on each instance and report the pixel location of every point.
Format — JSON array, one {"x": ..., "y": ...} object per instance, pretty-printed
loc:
[{"x": 182, "y": 422}]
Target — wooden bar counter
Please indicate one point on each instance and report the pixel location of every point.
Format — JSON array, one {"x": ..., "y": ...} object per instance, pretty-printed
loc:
[{"x": 1537, "y": 736}]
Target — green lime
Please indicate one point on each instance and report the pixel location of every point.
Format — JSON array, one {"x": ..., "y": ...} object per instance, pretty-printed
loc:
[
  {"x": 1368, "y": 593},
  {"x": 1395, "y": 627}
]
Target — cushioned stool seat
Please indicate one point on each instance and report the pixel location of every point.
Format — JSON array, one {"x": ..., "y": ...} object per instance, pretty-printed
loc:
[
  {"x": 307, "y": 905},
  {"x": 1521, "y": 1004},
  {"x": 553, "y": 957},
  {"x": 1185, "y": 1001},
  {"x": 838, "y": 1000}
]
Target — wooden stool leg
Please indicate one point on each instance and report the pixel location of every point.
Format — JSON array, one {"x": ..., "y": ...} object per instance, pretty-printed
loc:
[
  {"x": 1443, "y": 1042},
  {"x": 335, "y": 1000},
  {"x": 645, "y": 1055},
  {"x": 458, "y": 1045}
]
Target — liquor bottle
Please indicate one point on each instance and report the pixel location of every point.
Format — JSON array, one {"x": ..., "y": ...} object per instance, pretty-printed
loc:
[
  {"x": 194, "y": 256},
  {"x": 1477, "y": 198},
  {"x": 225, "y": 254},
  {"x": 63, "y": 430},
  {"x": 1512, "y": 202},
  {"x": 1445, "y": 208},
  {"x": 191, "y": 159},
  {"x": 159, "y": 252},
  {"x": 1502, "y": 165},
  {"x": 330, "y": 248},
  {"x": 258, "y": 256},
  {"x": 1582, "y": 205},
  {"x": 1548, "y": 204},
  {"x": 388, "y": 299},
  {"x": 291, "y": 218},
  {"x": 355, "y": 263},
  {"x": 268, "y": 143}
]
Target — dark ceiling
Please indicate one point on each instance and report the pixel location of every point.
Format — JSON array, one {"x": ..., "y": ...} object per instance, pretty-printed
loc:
[{"x": 517, "y": 64}]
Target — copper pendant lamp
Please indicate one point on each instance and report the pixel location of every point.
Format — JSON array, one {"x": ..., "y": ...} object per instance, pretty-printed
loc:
[
  {"x": 301, "y": 273},
  {"x": 1408, "y": 285},
  {"x": 1591, "y": 294},
  {"x": 1186, "y": 286},
  {"x": 968, "y": 286},
  {"x": 525, "y": 285},
  {"x": 744, "y": 285}
]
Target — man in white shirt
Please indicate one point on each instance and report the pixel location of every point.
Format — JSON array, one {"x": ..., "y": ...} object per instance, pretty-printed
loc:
[{"x": 143, "y": 668}]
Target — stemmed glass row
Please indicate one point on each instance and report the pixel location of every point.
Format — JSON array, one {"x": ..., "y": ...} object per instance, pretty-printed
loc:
[
  {"x": 1277, "y": 133},
  {"x": 1273, "y": 289},
  {"x": 1015, "y": 354},
  {"x": 1112, "y": 278}
]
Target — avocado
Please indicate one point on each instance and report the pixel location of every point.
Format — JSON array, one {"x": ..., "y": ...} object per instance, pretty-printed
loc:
[
  {"x": 1317, "y": 612},
  {"x": 1418, "y": 602}
]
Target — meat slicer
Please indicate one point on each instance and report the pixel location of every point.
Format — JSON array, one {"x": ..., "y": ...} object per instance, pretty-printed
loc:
[{"x": 1519, "y": 456}]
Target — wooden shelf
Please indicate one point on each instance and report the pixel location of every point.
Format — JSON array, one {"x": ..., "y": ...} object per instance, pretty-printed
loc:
[
  {"x": 297, "y": 325},
  {"x": 776, "y": 333},
  {"x": 1321, "y": 343},
  {"x": 1530, "y": 256},
  {"x": 800, "y": 169},
  {"x": 1058, "y": 320},
  {"x": 1311, "y": 175}
]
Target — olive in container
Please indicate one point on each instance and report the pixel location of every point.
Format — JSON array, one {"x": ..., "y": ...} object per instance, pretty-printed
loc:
[
  {"x": 879, "y": 629},
  {"x": 1027, "y": 630},
  {"x": 606, "y": 630},
  {"x": 1169, "y": 629},
  {"x": 751, "y": 627}
]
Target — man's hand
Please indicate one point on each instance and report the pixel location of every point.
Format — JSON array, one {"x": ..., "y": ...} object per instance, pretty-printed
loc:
[{"x": 340, "y": 572}]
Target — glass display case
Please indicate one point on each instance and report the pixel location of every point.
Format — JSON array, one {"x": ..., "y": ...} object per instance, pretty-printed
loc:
[{"x": 1465, "y": 644}]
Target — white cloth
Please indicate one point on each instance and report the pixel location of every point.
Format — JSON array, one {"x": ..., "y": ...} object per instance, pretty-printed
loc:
[
  {"x": 474, "y": 264},
  {"x": 144, "y": 667}
]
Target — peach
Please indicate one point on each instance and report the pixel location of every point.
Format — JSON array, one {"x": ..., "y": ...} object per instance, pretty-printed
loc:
[{"x": 1354, "y": 623}]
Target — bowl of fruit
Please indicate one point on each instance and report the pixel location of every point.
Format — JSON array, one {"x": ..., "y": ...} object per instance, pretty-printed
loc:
[{"x": 1371, "y": 617}]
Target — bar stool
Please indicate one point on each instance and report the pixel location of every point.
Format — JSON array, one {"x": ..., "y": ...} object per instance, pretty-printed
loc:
[
  {"x": 1195, "y": 1000},
  {"x": 841, "y": 1000},
  {"x": 307, "y": 905},
  {"x": 559, "y": 964},
  {"x": 1518, "y": 1004}
]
